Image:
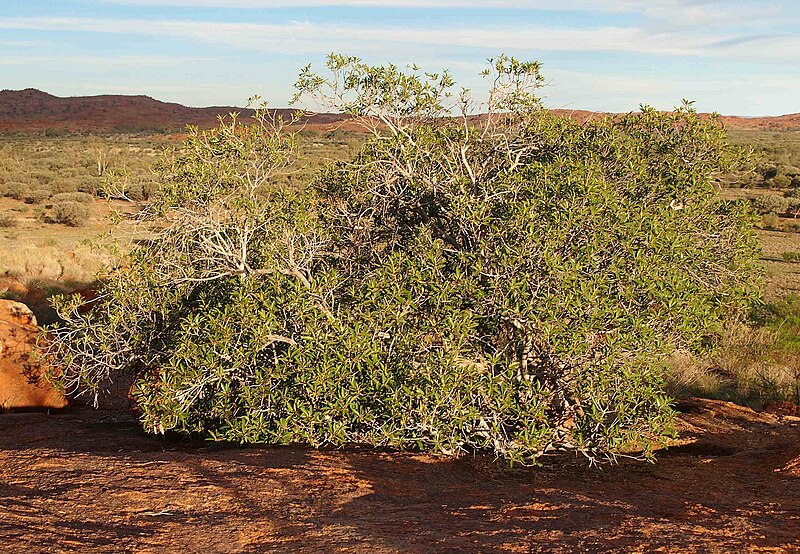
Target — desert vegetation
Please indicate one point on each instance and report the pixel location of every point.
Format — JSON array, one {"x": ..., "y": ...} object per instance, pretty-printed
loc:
[
  {"x": 47, "y": 247},
  {"x": 755, "y": 362},
  {"x": 514, "y": 283},
  {"x": 385, "y": 266}
]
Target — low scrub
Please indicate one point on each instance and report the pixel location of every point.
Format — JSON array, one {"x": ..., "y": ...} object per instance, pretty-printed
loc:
[
  {"x": 14, "y": 189},
  {"x": 65, "y": 185},
  {"x": 74, "y": 214},
  {"x": 771, "y": 221},
  {"x": 7, "y": 220},
  {"x": 511, "y": 285},
  {"x": 37, "y": 196},
  {"x": 80, "y": 197},
  {"x": 771, "y": 203}
]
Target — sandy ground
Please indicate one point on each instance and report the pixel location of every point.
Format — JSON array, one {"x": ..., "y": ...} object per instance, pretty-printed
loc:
[{"x": 90, "y": 481}]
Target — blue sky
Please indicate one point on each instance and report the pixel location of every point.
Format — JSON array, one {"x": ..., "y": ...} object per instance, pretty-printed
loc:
[{"x": 738, "y": 57}]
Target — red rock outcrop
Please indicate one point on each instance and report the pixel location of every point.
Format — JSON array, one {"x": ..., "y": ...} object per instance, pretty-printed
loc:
[
  {"x": 22, "y": 382},
  {"x": 783, "y": 408}
]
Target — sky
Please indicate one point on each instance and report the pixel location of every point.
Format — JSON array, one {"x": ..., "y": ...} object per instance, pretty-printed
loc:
[{"x": 736, "y": 57}]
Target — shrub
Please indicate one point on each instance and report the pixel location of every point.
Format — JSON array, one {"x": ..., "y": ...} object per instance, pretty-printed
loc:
[
  {"x": 780, "y": 182},
  {"x": 7, "y": 220},
  {"x": 15, "y": 190},
  {"x": 771, "y": 221},
  {"x": 793, "y": 210},
  {"x": 37, "y": 196},
  {"x": 771, "y": 203},
  {"x": 64, "y": 185},
  {"x": 74, "y": 214},
  {"x": 81, "y": 197},
  {"x": 42, "y": 176},
  {"x": 122, "y": 186},
  {"x": 510, "y": 287},
  {"x": 90, "y": 185},
  {"x": 142, "y": 190},
  {"x": 11, "y": 189},
  {"x": 29, "y": 180}
]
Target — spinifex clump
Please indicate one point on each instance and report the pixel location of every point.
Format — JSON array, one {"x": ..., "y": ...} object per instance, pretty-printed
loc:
[{"x": 509, "y": 282}]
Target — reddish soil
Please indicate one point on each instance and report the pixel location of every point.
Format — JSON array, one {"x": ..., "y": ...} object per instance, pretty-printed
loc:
[{"x": 85, "y": 480}]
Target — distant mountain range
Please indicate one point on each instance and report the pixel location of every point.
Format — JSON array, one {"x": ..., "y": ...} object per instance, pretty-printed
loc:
[{"x": 32, "y": 110}]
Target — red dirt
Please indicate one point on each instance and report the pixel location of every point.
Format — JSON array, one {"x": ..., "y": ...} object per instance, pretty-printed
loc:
[{"x": 86, "y": 480}]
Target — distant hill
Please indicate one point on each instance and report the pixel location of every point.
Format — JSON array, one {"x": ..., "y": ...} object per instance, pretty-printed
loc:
[
  {"x": 777, "y": 123},
  {"x": 32, "y": 110}
]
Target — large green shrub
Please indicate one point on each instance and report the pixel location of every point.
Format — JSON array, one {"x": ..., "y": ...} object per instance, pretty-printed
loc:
[{"x": 510, "y": 283}]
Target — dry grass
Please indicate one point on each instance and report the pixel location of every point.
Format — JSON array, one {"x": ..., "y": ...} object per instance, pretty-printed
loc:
[
  {"x": 33, "y": 250},
  {"x": 757, "y": 362},
  {"x": 754, "y": 363},
  {"x": 27, "y": 263},
  {"x": 751, "y": 380}
]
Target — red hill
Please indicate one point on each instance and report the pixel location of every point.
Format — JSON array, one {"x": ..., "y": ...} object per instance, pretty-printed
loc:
[
  {"x": 32, "y": 110},
  {"x": 777, "y": 123}
]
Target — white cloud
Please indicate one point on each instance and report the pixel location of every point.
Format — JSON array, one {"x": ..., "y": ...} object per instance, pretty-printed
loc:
[
  {"x": 303, "y": 37},
  {"x": 618, "y": 92},
  {"x": 103, "y": 61},
  {"x": 683, "y": 13},
  {"x": 575, "y": 5},
  {"x": 25, "y": 44}
]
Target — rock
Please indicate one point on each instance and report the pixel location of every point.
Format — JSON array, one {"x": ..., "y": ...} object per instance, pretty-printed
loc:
[
  {"x": 783, "y": 408},
  {"x": 12, "y": 287},
  {"x": 22, "y": 382}
]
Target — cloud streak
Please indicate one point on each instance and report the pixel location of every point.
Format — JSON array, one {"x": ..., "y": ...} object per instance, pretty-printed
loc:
[
  {"x": 733, "y": 56},
  {"x": 683, "y": 13},
  {"x": 105, "y": 61},
  {"x": 577, "y": 5},
  {"x": 305, "y": 37}
]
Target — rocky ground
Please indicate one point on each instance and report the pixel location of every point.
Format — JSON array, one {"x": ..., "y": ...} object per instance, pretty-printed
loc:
[{"x": 90, "y": 481}]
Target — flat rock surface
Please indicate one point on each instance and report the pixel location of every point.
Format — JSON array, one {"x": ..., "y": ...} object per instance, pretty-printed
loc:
[{"x": 91, "y": 481}]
